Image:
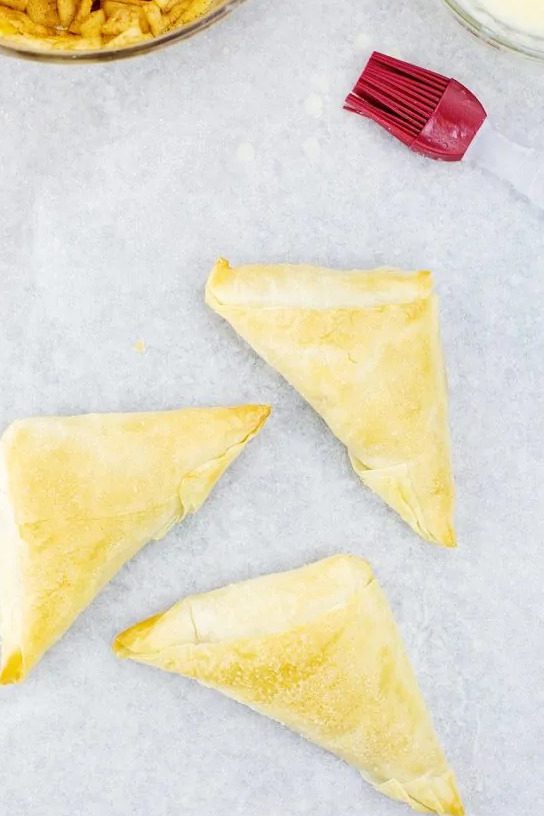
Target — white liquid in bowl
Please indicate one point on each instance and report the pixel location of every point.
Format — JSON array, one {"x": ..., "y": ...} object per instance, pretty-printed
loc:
[{"x": 523, "y": 16}]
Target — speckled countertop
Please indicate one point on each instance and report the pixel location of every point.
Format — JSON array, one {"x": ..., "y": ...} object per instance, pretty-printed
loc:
[{"x": 120, "y": 185}]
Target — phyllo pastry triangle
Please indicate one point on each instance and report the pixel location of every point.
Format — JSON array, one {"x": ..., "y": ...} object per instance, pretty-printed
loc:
[
  {"x": 363, "y": 348},
  {"x": 318, "y": 650},
  {"x": 81, "y": 495}
]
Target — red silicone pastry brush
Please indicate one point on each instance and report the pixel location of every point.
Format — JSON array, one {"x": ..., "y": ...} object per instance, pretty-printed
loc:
[{"x": 441, "y": 119}]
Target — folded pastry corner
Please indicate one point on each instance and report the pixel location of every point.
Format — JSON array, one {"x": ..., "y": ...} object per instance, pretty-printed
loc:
[
  {"x": 318, "y": 650},
  {"x": 363, "y": 348},
  {"x": 81, "y": 495}
]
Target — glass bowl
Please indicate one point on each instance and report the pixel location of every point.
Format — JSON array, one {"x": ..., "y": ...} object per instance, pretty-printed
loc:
[
  {"x": 495, "y": 32},
  {"x": 220, "y": 9}
]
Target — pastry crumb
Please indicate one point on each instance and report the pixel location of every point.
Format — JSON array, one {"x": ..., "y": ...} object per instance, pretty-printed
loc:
[
  {"x": 363, "y": 40},
  {"x": 314, "y": 105},
  {"x": 312, "y": 148},
  {"x": 245, "y": 152}
]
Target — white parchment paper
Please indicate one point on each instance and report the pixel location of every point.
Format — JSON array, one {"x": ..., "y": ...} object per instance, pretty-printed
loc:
[{"x": 120, "y": 185}]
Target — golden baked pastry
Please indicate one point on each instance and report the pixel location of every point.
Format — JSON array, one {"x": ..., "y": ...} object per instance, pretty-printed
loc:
[
  {"x": 81, "y": 495},
  {"x": 318, "y": 650},
  {"x": 363, "y": 347}
]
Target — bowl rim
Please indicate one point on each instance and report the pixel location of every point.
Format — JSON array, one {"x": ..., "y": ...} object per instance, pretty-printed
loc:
[
  {"x": 498, "y": 37},
  {"x": 106, "y": 55}
]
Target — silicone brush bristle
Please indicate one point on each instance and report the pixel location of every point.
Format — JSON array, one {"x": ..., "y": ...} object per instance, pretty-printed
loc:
[
  {"x": 399, "y": 96},
  {"x": 428, "y": 112}
]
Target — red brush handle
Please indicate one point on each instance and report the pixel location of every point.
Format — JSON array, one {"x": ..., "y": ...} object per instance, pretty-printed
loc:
[{"x": 457, "y": 119}]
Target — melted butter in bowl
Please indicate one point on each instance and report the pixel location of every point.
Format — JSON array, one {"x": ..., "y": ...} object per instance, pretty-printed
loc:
[
  {"x": 514, "y": 24},
  {"x": 525, "y": 16}
]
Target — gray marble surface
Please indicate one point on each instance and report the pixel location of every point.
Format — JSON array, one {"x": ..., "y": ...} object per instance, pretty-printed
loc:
[{"x": 120, "y": 185}]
